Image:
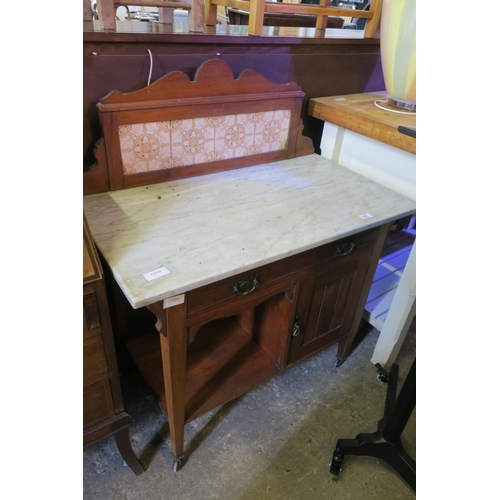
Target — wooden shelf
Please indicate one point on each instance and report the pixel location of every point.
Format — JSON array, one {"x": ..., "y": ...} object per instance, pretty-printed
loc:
[
  {"x": 223, "y": 362},
  {"x": 387, "y": 276}
]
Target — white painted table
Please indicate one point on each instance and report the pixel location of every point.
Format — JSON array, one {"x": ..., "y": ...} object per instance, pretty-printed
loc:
[{"x": 365, "y": 139}]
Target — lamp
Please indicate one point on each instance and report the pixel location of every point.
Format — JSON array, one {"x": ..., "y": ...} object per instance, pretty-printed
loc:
[{"x": 398, "y": 52}]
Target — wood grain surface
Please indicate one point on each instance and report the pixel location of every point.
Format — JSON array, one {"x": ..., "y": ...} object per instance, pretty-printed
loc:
[{"x": 357, "y": 112}]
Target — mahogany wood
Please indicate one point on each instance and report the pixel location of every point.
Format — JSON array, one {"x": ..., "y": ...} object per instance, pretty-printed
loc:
[
  {"x": 223, "y": 363},
  {"x": 236, "y": 342},
  {"x": 345, "y": 342},
  {"x": 273, "y": 324},
  {"x": 213, "y": 92},
  {"x": 103, "y": 412},
  {"x": 96, "y": 178},
  {"x": 220, "y": 293},
  {"x": 330, "y": 302},
  {"x": 173, "y": 352},
  {"x": 245, "y": 320},
  {"x": 219, "y": 342},
  {"x": 92, "y": 269},
  {"x": 120, "y": 60}
]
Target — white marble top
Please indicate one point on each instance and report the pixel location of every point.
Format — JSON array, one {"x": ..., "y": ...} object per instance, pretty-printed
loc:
[{"x": 203, "y": 229}]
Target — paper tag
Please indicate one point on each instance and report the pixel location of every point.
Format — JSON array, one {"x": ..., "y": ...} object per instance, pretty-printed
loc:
[
  {"x": 156, "y": 273},
  {"x": 173, "y": 301},
  {"x": 340, "y": 99},
  {"x": 365, "y": 216}
]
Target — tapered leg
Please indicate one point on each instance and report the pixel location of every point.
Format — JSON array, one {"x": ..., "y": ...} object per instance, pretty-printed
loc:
[{"x": 173, "y": 338}]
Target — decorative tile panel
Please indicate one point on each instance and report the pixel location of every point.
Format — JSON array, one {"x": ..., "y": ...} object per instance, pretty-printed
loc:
[
  {"x": 192, "y": 141},
  {"x": 159, "y": 145},
  {"x": 145, "y": 146},
  {"x": 271, "y": 130}
]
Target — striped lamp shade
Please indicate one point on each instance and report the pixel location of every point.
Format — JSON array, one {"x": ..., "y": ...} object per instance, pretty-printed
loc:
[{"x": 398, "y": 52}]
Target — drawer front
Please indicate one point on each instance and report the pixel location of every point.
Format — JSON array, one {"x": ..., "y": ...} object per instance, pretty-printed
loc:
[
  {"x": 262, "y": 280},
  {"x": 95, "y": 367},
  {"x": 97, "y": 404},
  {"x": 91, "y": 312}
]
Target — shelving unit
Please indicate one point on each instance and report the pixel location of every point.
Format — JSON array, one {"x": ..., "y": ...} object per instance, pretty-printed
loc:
[{"x": 221, "y": 365}]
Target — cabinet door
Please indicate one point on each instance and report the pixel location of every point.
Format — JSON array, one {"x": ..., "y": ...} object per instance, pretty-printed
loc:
[{"x": 327, "y": 305}]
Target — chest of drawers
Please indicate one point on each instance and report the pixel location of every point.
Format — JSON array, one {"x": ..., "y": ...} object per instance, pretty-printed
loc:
[{"x": 103, "y": 412}]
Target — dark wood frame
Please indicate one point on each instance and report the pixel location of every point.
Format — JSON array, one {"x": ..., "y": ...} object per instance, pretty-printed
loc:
[
  {"x": 103, "y": 410},
  {"x": 213, "y": 92}
]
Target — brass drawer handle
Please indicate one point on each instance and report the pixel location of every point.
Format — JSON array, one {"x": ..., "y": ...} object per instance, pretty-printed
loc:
[
  {"x": 245, "y": 286},
  {"x": 344, "y": 249}
]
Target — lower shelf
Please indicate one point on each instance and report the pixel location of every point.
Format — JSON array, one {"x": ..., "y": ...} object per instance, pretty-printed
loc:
[
  {"x": 386, "y": 280},
  {"x": 223, "y": 362}
]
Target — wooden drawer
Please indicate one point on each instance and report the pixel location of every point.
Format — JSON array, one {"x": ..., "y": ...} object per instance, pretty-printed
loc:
[
  {"x": 97, "y": 403},
  {"x": 95, "y": 367},
  {"x": 92, "y": 326},
  {"x": 263, "y": 280},
  {"x": 240, "y": 288},
  {"x": 343, "y": 252},
  {"x": 92, "y": 269}
]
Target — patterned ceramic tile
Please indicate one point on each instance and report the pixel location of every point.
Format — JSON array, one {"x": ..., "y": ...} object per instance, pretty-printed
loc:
[
  {"x": 192, "y": 141},
  {"x": 144, "y": 146},
  {"x": 271, "y": 131},
  {"x": 158, "y": 145}
]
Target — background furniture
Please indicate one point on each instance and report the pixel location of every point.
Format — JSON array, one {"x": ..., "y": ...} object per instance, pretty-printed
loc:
[
  {"x": 325, "y": 65},
  {"x": 241, "y": 17},
  {"x": 366, "y": 140},
  {"x": 254, "y": 255},
  {"x": 103, "y": 413},
  {"x": 385, "y": 443},
  {"x": 106, "y": 10},
  {"x": 258, "y": 8}
]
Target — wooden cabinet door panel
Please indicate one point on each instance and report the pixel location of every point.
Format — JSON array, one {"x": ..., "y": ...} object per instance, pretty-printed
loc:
[{"x": 327, "y": 305}]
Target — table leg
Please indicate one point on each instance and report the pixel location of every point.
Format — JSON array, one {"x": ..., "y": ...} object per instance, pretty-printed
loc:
[
  {"x": 173, "y": 338},
  {"x": 106, "y": 12},
  {"x": 210, "y": 13},
  {"x": 122, "y": 440},
  {"x": 196, "y": 16},
  {"x": 256, "y": 17}
]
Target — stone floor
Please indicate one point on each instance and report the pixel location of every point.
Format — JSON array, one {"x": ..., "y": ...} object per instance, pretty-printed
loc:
[{"x": 275, "y": 442}]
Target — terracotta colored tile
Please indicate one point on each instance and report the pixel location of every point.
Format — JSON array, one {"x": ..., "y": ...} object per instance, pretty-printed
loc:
[
  {"x": 144, "y": 147},
  {"x": 157, "y": 145},
  {"x": 193, "y": 141}
]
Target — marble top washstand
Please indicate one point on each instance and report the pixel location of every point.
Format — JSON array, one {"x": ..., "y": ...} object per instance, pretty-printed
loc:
[{"x": 206, "y": 228}]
